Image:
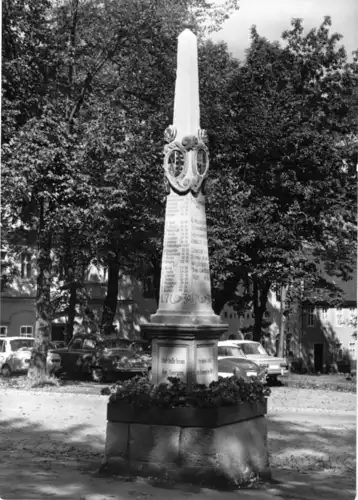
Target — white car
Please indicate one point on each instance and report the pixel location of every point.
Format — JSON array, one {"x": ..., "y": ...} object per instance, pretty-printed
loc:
[
  {"x": 15, "y": 355},
  {"x": 231, "y": 359},
  {"x": 276, "y": 367}
]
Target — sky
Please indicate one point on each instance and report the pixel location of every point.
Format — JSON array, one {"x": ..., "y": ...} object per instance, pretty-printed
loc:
[{"x": 272, "y": 17}]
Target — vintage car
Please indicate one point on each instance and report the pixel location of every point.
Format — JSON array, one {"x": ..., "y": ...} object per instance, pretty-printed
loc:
[
  {"x": 103, "y": 358},
  {"x": 276, "y": 367},
  {"x": 15, "y": 355},
  {"x": 231, "y": 360}
]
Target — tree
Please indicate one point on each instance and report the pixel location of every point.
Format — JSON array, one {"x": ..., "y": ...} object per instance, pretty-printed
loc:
[
  {"x": 70, "y": 71},
  {"x": 290, "y": 192}
]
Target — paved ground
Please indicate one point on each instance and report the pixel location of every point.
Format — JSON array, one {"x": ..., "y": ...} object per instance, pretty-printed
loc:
[{"x": 52, "y": 444}]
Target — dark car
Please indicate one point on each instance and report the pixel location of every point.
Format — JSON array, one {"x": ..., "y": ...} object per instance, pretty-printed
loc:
[
  {"x": 231, "y": 360},
  {"x": 103, "y": 358}
]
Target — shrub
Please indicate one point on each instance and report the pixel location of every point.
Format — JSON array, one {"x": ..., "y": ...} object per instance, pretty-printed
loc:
[
  {"x": 36, "y": 379},
  {"x": 223, "y": 392}
]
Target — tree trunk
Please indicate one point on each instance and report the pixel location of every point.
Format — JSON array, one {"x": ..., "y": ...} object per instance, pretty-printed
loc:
[
  {"x": 71, "y": 314},
  {"x": 260, "y": 294},
  {"x": 156, "y": 263},
  {"x": 43, "y": 300},
  {"x": 281, "y": 344},
  {"x": 221, "y": 297},
  {"x": 110, "y": 301}
]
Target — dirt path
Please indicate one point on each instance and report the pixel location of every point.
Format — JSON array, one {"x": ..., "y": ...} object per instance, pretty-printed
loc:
[{"x": 52, "y": 444}]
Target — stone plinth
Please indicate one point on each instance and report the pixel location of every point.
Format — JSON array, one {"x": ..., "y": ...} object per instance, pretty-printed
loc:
[
  {"x": 187, "y": 352},
  {"x": 227, "y": 449}
]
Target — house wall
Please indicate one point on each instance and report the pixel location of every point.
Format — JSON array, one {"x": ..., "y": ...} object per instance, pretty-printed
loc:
[
  {"x": 332, "y": 327},
  {"x": 17, "y": 301},
  {"x": 15, "y": 313},
  {"x": 134, "y": 306}
]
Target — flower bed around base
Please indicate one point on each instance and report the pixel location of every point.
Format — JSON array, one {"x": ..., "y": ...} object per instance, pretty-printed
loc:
[{"x": 218, "y": 440}]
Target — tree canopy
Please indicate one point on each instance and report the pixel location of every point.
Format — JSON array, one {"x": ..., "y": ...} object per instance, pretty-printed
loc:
[
  {"x": 87, "y": 91},
  {"x": 286, "y": 185}
]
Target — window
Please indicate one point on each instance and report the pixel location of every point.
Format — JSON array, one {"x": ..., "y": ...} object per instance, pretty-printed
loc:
[
  {"x": 253, "y": 348},
  {"x": 230, "y": 351},
  {"x": 225, "y": 314},
  {"x": 352, "y": 314},
  {"x": 324, "y": 315},
  {"x": 310, "y": 317},
  {"x": 26, "y": 331},
  {"x": 21, "y": 344},
  {"x": 230, "y": 316},
  {"x": 3, "y": 331},
  {"x": 76, "y": 344},
  {"x": 352, "y": 350},
  {"x": 340, "y": 317},
  {"x": 25, "y": 266}
]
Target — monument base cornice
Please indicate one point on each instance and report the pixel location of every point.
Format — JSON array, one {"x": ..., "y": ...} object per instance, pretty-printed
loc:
[{"x": 169, "y": 331}]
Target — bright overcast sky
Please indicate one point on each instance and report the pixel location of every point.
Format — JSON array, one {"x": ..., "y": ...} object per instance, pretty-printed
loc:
[{"x": 272, "y": 17}]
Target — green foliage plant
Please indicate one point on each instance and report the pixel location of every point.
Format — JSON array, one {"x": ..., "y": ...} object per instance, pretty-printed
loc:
[{"x": 140, "y": 392}]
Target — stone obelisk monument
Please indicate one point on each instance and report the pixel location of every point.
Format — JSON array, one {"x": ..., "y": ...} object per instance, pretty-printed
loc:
[{"x": 184, "y": 330}]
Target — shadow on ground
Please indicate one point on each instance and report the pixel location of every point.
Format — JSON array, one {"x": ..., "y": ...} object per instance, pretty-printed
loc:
[{"x": 36, "y": 462}]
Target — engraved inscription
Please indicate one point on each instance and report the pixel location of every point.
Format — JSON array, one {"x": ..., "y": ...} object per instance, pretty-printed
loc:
[
  {"x": 172, "y": 362},
  {"x": 185, "y": 278},
  {"x": 205, "y": 366}
]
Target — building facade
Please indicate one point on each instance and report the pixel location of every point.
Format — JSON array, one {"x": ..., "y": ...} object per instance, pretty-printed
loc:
[
  {"x": 135, "y": 301},
  {"x": 315, "y": 335},
  {"x": 318, "y": 336},
  {"x": 17, "y": 300}
]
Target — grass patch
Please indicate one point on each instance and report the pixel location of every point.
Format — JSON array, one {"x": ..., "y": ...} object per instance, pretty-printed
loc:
[
  {"x": 322, "y": 382},
  {"x": 33, "y": 380}
]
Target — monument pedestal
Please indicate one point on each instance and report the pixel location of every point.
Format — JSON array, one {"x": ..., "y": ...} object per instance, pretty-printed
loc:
[
  {"x": 188, "y": 352},
  {"x": 212, "y": 447},
  {"x": 207, "y": 446}
]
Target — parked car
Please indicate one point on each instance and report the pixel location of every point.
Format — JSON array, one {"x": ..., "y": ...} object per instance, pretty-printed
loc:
[
  {"x": 15, "y": 355},
  {"x": 276, "y": 367},
  {"x": 231, "y": 359},
  {"x": 102, "y": 357}
]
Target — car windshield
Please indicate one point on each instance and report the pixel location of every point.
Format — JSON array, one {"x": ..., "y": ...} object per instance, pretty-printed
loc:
[
  {"x": 114, "y": 343},
  {"x": 253, "y": 348},
  {"x": 21, "y": 344},
  {"x": 230, "y": 351}
]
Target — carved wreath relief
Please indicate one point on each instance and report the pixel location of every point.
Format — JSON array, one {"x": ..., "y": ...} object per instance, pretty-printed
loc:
[{"x": 186, "y": 163}]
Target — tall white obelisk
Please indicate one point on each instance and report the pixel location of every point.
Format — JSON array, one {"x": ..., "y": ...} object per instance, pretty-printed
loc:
[{"x": 185, "y": 329}]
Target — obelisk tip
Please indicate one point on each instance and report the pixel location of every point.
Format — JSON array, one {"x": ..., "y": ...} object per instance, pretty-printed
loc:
[
  {"x": 186, "y": 101},
  {"x": 188, "y": 30}
]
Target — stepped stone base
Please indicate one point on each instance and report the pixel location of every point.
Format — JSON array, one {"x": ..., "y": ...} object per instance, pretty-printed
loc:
[{"x": 219, "y": 457}]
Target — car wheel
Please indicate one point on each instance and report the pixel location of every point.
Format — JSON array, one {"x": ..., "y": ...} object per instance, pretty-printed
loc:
[
  {"x": 97, "y": 375},
  {"x": 6, "y": 371},
  {"x": 272, "y": 380}
]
